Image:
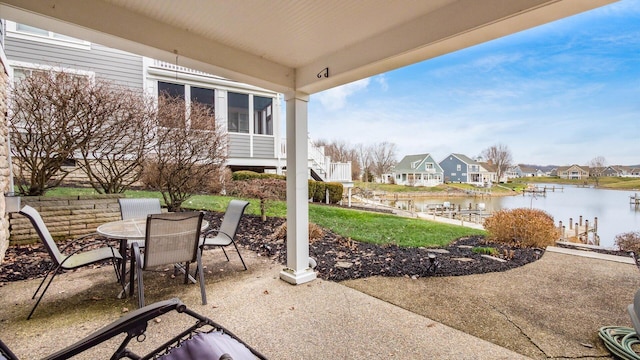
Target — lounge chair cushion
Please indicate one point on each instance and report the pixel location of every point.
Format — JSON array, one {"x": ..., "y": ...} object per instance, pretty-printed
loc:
[{"x": 211, "y": 345}]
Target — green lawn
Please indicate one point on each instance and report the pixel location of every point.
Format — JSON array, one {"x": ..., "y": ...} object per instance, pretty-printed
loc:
[
  {"x": 358, "y": 225},
  {"x": 386, "y": 229}
]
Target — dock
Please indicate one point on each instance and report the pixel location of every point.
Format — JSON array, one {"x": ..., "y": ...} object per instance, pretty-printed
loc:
[
  {"x": 541, "y": 190},
  {"x": 634, "y": 200},
  {"x": 452, "y": 212},
  {"x": 583, "y": 232}
]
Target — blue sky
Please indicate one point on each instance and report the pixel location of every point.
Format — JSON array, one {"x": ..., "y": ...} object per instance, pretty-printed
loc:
[{"x": 562, "y": 93}]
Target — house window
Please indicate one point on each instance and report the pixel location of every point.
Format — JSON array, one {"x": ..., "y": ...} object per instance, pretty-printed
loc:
[
  {"x": 37, "y": 34},
  {"x": 238, "y": 114},
  {"x": 205, "y": 97},
  {"x": 458, "y": 167},
  {"x": 262, "y": 115},
  {"x": 197, "y": 95},
  {"x": 172, "y": 91},
  {"x": 69, "y": 163}
]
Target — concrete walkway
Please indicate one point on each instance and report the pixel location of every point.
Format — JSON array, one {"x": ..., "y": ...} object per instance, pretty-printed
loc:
[
  {"x": 549, "y": 309},
  {"x": 318, "y": 320}
]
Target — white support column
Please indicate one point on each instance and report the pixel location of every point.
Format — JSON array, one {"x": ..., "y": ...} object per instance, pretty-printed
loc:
[{"x": 297, "y": 270}]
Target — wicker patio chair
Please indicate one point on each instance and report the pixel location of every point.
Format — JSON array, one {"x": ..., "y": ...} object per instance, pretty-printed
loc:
[
  {"x": 226, "y": 234},
  {"x": 60, "y": 261},
  {"x": 171, "y": 238}
]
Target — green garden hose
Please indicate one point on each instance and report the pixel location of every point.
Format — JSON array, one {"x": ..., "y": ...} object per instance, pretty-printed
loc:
[{"x": 619, "y": 340}]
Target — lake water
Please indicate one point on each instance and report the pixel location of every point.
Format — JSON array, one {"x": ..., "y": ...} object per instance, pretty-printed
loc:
[{"x": 611, "y": 207}]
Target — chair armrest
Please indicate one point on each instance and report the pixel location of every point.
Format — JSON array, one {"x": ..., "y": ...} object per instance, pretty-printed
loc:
[{"x": 70, "y": 243}]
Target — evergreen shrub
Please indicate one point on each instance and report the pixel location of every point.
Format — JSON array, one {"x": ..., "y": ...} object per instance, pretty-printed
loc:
[
  {"x": 335, "y": 192},
  {"x": 250, "y": 175}
]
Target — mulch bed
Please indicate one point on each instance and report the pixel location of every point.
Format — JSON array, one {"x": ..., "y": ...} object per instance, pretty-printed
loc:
[{"x": 337, "y": 258}]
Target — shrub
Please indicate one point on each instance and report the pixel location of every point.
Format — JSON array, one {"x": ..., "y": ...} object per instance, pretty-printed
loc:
[
  {"x": 264, "y": 189},
  {"x": 315, "y": 232},
  {"x": 250, "y": 175},
  {"x": 319, "y": 193},
  {"x": 522, "y": 228},
  {"x": 629, "y": 241},
  {"x": 486, "y": 250},
  {"x": 335, "y": 192},
  {"x": 312, "y": 188},
  {"x": 245, "y": 175}
]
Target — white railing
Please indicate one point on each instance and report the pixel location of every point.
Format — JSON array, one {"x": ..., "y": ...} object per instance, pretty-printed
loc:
[
  {"x": 339, "y": 172},
  {"x": 321, "y": 164},
  {"x": 173, "y": 67}
]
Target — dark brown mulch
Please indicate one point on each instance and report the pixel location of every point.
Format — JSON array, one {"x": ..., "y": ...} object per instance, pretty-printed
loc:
[{"x": 337, "y": 258}]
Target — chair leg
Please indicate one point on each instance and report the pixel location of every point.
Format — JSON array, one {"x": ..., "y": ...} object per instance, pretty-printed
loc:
[
  {"x": 186, "y": 272},
  {"x": 140, "y": 291},
  {"x": 225, "y": 253},
  {"x": 200, "y": 272},
  {"x": 238, "y": 251},
  {"x": 46, "y": 275},
  {"x": 43, "y": 291},
  {"x": 132, "y": 274}
]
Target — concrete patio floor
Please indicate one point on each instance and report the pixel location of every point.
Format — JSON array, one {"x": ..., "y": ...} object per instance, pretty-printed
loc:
[{"x": 322, "y": 319}]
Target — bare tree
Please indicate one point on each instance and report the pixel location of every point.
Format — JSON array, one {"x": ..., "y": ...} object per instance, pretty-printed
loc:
[
  {"x": 383, "y": 156},
  {"x": 189, "y": 149},
  {"x": 340, "y": 151},
  {"x": 365, "y": 160},
  {"x": 52, "y": 115},
  {"x": 597, "y": 165},
  {"x": 500, "y": 156},
  {"x": 114, "y": 156}
]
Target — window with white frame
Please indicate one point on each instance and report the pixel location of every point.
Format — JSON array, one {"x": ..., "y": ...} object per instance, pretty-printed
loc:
[
  {"x": 262, "y": 115},
  {"x": 238, "y": 112},
  {"x": 37, "y": 34},
  {"x": 23, "y": 69},
  {"x": 198, "y": 95},
  {"x": 458, "y": 167}
]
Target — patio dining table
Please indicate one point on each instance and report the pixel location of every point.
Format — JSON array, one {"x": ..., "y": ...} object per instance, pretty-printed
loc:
[{"x": 129, "y": 230}]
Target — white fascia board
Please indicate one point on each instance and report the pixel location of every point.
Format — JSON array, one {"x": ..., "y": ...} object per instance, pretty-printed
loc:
[{"x": 112, "y": 26}]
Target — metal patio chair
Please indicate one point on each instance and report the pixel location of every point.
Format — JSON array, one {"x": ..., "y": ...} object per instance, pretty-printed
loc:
[
  {"x": 61, "y": 261},
  {"x": 226, "y": 234},
  {"x": 205, "y": 339},
  {"x": 171, "y": 238},
  {"x": 133, "y": 208}
]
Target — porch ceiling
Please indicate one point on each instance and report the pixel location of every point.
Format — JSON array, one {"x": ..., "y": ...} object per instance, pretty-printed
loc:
[{"x": 284, "y": 45}]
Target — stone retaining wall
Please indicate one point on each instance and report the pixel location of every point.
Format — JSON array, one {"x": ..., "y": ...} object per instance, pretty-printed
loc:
[{"x": 65, "y": 217}]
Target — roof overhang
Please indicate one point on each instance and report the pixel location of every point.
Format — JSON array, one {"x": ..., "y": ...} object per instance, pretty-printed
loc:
[{"x": 291, "y": 45}]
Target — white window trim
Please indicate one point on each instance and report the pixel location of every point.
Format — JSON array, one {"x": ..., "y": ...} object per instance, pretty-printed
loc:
[
  {"x": 77, "y": 44},
  {"x": 31, "y": 66}
]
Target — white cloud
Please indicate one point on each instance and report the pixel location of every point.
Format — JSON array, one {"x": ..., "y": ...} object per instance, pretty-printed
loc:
[
  {"x": 382, "y": 81},
  {"x": 336, "y": 98}
]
